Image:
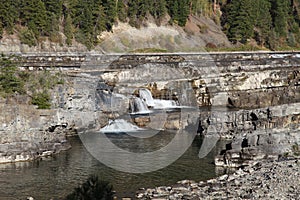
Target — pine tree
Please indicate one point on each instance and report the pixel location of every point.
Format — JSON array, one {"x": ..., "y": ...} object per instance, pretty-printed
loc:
[
  {"x": 296, "y": 10},
  {"x": 9, "y": 14},
  {"x": 133, "y": 12},
  {"x": 263, "y": 20},
  {"x": 110, "y": 9},
  {"x": 202, "y": 7},
  {"x": 159, "y": 8},
  {"x": 280, "y": 16},
  {"x": 68, "y": 30},
  {"x": 184, "y": 11},
  {"x": 121, "y": 10},
  {"x": 99, "y": 20},
  {"x": 53, "y": 12},
  {"x": 33, "y": 15},
  {"x": 179, "y": 10},
  {"x": 54, "y": 7},
  {"x": 240, "y": 20},
  {"x": 10, "y": 81}
]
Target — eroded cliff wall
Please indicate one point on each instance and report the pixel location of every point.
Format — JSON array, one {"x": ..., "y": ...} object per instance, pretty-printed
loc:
[{"x": 251, "y": 98}]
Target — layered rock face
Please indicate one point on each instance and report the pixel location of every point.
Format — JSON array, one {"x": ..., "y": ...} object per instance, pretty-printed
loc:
[
  {"x": 251, "y": 98},
  {"x": 27, "y": 133}
]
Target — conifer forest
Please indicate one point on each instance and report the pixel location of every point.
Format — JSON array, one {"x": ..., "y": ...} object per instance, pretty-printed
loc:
[{"x": 270, "y": 23}]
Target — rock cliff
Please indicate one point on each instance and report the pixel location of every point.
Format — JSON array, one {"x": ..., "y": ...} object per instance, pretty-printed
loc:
[{"x": 251, "y": 98}]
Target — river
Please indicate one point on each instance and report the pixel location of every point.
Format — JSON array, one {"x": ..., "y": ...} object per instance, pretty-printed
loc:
[{"x": 55, "y": 177}]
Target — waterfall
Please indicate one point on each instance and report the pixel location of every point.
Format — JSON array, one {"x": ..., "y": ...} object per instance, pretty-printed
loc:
[
  {"x": 146, "y": 95},
  {"x": 118, "y": 126},
  {"x": 161, "y": 104},
  {"x": 138, "y": 106}
]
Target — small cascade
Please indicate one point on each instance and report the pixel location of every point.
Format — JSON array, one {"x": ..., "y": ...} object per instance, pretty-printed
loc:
[
  {"x": 118, "y": 126},
  {"x": 138, "y": 106},
  {"x": 146, "y": 95},
  {"x": 161, "y": 104}
]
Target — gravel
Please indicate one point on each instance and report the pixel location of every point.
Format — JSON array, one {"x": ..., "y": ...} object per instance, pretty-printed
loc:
[{"x": 264, "y": 180}]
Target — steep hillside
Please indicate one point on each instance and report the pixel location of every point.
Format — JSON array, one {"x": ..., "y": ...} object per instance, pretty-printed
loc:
[
  {"x": 198, "y": 33},
  {"x": 128, "y": 25}
]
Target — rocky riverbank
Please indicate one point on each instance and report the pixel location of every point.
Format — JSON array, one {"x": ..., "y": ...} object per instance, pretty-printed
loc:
[{"x": 269, "y": 179}]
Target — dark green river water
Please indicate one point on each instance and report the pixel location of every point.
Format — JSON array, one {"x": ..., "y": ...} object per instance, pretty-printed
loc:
[{"x": 55, "y": 177}]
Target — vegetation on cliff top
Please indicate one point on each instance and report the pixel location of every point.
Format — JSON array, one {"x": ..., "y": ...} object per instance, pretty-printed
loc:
[
  {"x": 35, "y": 85},
  {"x": 10, "y": 77},
  {"x": 270, "y": 23}
]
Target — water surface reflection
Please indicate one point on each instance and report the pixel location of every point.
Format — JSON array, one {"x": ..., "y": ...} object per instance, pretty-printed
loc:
[{"x": 55, "y": 177}]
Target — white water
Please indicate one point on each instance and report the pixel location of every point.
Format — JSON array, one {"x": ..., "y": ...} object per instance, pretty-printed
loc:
[
  {"x": 138, "y": 106},
  {"x": 146, "y": 96},
  {"x": 161, "y": 104},
  {"x": 280, "y": 55},
  {"x": 119, "y": 125}
]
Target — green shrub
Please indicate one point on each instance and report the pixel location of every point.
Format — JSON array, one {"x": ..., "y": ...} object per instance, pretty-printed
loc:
[
  {"x": 10, "y": 82},
  {"x": 92, "y": 189},
  {"x": 55, "y": 37},
  {"x": 27, "y": 37},
  {"x": 37, "y": 81},
  {"x": 42, "y": 100},
  {"x": 296, "y": 149}
]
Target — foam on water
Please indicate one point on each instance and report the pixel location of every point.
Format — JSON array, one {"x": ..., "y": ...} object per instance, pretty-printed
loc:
[
  {"x": 138, "y": 106},
  {"x": 118, "y": 126},
  {"x": 297, "y": 56},
  {"x": 161, "y": 104},
  {"x": 146, "y": 95},
  {"x": 280, "y": 55}
]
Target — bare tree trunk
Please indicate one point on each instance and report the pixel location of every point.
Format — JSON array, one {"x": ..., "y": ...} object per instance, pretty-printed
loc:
[{"x": 215, "y": 6}]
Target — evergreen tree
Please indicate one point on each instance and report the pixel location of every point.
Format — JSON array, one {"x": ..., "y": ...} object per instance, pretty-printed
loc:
[
  {"x": 201, "y": 7},
  {"x": 121, "y": 9},
  {"x": 179, "y": 10},
  {"x": 110, "y": 9},
  {"x": 296, "y": 11},
  {"x": 269, "y": 22},
  {"x": 173, "y": 9},
  {"x": 159, "y": 8},
  {"x": 54, "y": 7},
  {"x": 280, "y": 12},
  {"x": 99, "y": 19},
  {"x": 133, "y": 12},
  {"x": 240, "y": 24},
  {"x": 184, "y": 11},
  {"x": 10, "y": 81},
  {"x": 9, "y": 13},
  {"x": 263, "y": 20},
  {"x": 68, "y": 30},
  {"x": 33, "y": 15},
  {"x": 53, "y": 12}
]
